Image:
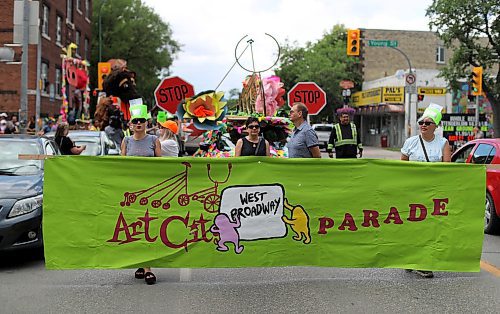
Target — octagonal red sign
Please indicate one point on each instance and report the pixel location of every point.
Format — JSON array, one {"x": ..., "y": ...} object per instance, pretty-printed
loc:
[
  {"x": 171, "y": 91},
  {"x": 310, "y": 94}
]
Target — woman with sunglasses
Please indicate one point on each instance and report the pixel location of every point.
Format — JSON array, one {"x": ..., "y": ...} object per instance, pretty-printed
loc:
[
  {"x": 427, "y": 147},
  {"x": 252, "y": 144},
  {"x": 145, "y": 145}
]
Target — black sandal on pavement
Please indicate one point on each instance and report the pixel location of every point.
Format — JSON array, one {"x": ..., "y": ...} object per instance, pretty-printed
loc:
[
  {"x": 139, "y": 274},
  {"x": 424, "y": 273},
  {"x": 150, "y": 278}
]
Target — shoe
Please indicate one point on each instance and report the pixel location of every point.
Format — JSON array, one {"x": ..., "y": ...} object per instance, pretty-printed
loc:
[
  {"x": 408, "y": 270},
  {"x": 424, "y": 273},
  {"x": 139, "y": 273},
  {"x": 150, "y": 278}
]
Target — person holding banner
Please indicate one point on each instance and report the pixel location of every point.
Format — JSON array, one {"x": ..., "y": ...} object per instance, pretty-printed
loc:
[
  {"x": 252, "y": 144},
  {"x": 427, "y": 147},
  {"x": 304, "y": 141},
  {"x": 145, "y": 145}
]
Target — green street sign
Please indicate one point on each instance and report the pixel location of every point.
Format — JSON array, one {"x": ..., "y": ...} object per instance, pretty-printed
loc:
[{"x": 382, "y": 43}]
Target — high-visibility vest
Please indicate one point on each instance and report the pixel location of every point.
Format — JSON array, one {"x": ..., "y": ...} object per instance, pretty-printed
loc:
[{"x": 348, "y": 141}]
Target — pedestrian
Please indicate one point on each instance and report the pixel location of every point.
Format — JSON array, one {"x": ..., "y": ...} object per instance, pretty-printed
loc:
[
  {"x": 304, "y": 141},
  {"x": 252, "y": 144},
  {"x": 3, "y": 126},
  {"x": 168, "y": 141},
  {"x": 141, "y": 144},
  {"x": 344, "y": 138},
  {"x": 427, "y": 147},
  {"x": 66, "y": 145},
  {"x": 114, "y": 130},
  {"x": 478, "y": 134}
]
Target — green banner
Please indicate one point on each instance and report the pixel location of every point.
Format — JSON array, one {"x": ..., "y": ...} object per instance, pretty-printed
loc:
[{"x": 125, "y": 212}]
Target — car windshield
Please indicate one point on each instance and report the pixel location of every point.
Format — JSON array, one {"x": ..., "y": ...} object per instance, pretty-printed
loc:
[
  {"x": 11, "y": 165},
  {"x": 93, "y": 144}
]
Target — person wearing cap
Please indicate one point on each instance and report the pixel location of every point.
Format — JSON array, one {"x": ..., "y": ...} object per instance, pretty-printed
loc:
[
  {"x": 427, "y": 147},
  {"x": 145, "y": 145},
  {"x": 168, "y": 141}
]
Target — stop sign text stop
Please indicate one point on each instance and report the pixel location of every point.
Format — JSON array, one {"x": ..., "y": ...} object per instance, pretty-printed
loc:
[
  {"x": 171, "y": 92},
  {"x": 310, "y": 94}
]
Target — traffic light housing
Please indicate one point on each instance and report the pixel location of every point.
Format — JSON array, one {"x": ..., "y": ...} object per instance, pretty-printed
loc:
[
  {"x": 353, "y": 42},
  {"x": 420, "y": 97},
  {"x": 476, "y": 81},
  {"x": 103, "y": 70}
]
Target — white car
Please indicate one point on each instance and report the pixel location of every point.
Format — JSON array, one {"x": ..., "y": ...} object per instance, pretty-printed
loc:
[{"x": 323, "y": 131}]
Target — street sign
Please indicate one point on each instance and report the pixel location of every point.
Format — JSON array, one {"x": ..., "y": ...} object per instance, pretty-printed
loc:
[
  {"x": 346, "y": 84},
  {"x": 382, "y": 43},
  {"x": 436, "y": 91},
  {"x": 310, "y": 94},
  {"x": 410, "y": 79},
  {"x": 411, "y": 89},
  {"x": 171, "y": 92}
]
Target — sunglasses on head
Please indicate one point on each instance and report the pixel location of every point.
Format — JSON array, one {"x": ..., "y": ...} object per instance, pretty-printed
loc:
[
  {"x": 138, "y": 120},
  {"x": 427, "y": 123},
  {"x": 253, "y": 126}
]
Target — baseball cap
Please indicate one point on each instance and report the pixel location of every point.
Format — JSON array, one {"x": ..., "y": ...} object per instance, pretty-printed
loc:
[{"x": 169, "y": 124}]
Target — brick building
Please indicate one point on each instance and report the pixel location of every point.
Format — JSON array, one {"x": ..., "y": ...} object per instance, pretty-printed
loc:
[{"x": 61, "y": 22}]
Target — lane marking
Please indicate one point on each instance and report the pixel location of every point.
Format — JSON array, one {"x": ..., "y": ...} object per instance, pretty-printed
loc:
[
  {"x": 490, "y": 268},
  {"x": 185, "y": 274}
]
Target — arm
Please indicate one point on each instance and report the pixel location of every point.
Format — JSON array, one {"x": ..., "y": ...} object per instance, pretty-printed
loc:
[
  {"x": 268, "y": 149},
  {"x": 237, "y": 149},
  {"x": 157, "y": 148},
  {"x": 77, "y": 150},
  {"x": 316, "y": 153},
  {"x": 331, "y": 143},
  {"x": 446, "y": 152}
]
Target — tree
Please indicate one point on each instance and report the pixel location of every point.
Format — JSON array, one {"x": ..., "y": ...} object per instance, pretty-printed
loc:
[
  {"x": 324, "y": 62},
  {"x": 133, "y": 32},
  {"x": 472, "y": 30}
]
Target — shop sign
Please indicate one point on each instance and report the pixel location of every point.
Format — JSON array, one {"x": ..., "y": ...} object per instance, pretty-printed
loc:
[
  {"x": 432, "y": 91},
  {"x": 367, "y": 97},
  {"x": 394, "y": 94}
]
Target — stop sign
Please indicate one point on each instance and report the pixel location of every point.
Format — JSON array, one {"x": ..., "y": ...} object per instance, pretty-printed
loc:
[
  {"x": 171, "y": 91},
  {"x": 310, "y": 94}
]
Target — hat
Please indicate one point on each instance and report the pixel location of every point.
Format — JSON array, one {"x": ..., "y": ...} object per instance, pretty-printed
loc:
[
  {"x": 3, "y": 114},
  {"x": 138, "y": 110},
  {"x": 163, "y": 116},
  {"x": 433, "y": 112},
  {"x": 169, "y": 124}
]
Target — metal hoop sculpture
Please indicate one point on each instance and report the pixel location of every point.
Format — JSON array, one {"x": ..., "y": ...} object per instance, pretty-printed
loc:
[{"x": 250, "y": 42}]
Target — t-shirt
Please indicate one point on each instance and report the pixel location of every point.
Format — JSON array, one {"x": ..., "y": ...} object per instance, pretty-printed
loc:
[
  {"x": 169, "y": 148},
  {"x": 144, "y": 147},
  {"x": 413, "y": 149},
  {"x": 303, "y": 138},
  {"x": 65, "y": 145}
]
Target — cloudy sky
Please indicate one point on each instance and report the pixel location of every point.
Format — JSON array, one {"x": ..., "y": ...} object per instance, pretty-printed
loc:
[{"x": 209, "y": 31}]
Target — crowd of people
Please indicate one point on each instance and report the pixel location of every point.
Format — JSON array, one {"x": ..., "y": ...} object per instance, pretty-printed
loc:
[{"x": 8, "y": 125}]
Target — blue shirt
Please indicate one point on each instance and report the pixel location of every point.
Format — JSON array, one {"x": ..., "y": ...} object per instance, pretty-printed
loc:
[{"x": 303, "y": 138}]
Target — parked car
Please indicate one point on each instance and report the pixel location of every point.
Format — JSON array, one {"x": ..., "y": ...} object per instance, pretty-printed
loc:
[
  {"x": 323, "y": 131},
  {"x": 485, "y": 151},
  {"x": 98, "y": 143},
  {"x": 21, "y": 190}
]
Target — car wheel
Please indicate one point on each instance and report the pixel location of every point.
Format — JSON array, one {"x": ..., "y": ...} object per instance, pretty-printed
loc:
[{"x": 491, "y": 220}]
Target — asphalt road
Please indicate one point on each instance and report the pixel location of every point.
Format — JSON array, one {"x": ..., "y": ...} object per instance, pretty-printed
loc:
[{"x": 27, "y": 287}]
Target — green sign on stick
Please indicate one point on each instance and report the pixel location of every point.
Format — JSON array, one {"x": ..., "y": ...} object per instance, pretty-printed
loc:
[{"x": 382, "y": 43}]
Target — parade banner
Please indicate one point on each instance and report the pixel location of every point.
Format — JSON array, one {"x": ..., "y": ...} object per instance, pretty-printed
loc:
[{"x": 127, "y": 212}]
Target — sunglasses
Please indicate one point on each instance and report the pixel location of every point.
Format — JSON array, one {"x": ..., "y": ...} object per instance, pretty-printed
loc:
[
  {"x": 427, "y": 123},
  {"x": 139, "y": 120},
  {"x": 253, "y": 127}
]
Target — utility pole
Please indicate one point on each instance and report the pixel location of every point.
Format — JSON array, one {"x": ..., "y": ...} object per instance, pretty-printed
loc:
[{"x": 23, "y": 113}]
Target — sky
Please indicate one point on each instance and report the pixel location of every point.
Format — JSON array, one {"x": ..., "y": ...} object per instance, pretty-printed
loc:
[{"x": 209, "y": 31}]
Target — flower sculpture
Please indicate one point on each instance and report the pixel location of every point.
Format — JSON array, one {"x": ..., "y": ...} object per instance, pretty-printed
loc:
[
  {"x": 273, "y": 96},
  {"x": 206, "y": 109}
]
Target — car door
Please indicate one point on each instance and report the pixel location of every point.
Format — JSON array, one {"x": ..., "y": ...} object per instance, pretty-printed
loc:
[{"x": 463, "y": 155}]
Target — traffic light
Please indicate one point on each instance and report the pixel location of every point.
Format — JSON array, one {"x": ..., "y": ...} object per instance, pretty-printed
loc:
[
  {"x": 103, "y": 70},
  {"x": 420, "y": 97},
  {"x": 476, "y": 81},
  {"x": 353, "y": 42}
]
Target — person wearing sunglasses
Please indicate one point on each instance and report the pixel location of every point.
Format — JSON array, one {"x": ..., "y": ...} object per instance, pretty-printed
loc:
[
  {"x": 427, "y": 147},
  {"x": 145, "y": 145},
  {"x": 252, "y": 144}
]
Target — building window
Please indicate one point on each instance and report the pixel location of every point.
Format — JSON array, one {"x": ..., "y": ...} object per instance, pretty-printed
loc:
[
  {"x": 69, "y": 11},
  {"x": 44, "y": 77},
  {"x": 78, "y": 6},
  {"x": 440, "y": 54},
  {"x": 45, "y": 21},
  {"x": 87, "y": 9},
  {"x": 77, "y": 42},
  {"x": 86, "y": 49},
  {"x": 59, "y": 30},
  {"x": 58, "y": 81}
]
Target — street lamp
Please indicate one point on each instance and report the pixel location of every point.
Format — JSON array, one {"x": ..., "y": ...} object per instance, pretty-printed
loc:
[{"x": 100, "y": 29}]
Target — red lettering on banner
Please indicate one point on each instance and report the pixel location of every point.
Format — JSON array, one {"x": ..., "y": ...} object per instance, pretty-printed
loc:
[
  {"x": 122, "y": 226},
  {"x": 413, "y": 212},
  {"x": 163, "y": 231},
  {"x": 370, "y": 216},
  {"x": 325, "y": 223},
  {"x": 349, "y": 222},
  {"x": 393, "y": 215},
  {"x": 440, "y": 204}
]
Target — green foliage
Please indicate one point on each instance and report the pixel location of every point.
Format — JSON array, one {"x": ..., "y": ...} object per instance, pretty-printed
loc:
[
  {"x": 324, "y": 62},
  {"x": 472, "y": 30},
  {"x": 133, "y": 32}
]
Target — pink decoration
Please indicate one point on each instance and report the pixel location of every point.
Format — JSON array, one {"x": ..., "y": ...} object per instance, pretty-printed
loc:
[{"x": 273, "y": 95}]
